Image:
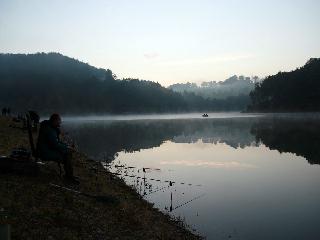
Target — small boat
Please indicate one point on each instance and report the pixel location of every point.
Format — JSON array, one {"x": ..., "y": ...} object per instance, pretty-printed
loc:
[{"x": 205, "y": 115}]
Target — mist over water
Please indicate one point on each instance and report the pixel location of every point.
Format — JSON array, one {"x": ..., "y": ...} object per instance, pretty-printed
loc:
[
  {"x": 129, "y": 117},
  {"x": 234, "y": 176}
]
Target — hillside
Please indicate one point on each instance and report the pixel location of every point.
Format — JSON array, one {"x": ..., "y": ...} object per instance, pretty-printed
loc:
[
  {"x": 298, "y": 90},
  {"x": 51, "y": 82},
  {"x": 56, "y": 83}
]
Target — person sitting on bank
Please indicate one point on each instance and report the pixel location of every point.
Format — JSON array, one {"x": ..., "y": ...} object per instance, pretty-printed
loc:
[{"x": 51, "y": 148}]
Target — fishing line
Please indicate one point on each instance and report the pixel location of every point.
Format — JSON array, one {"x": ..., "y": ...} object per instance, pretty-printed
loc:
[{"x": 185, "y": 203}]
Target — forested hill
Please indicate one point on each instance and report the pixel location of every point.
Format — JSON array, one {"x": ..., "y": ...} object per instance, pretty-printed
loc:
[
  {"x": 298, "y": 90},
  {"x": 48, "y": 67},
  {"x": 55, "y": 83},
  {"x": 231, "y": 87},
  {"x": 233, "y": 92}
]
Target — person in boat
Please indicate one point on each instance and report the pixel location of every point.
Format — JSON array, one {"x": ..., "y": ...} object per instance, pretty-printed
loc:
[{"x": 51, "y": 148}]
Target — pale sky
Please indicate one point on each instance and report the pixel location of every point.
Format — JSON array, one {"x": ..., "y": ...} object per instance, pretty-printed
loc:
[{"x": 168, "y": 41}]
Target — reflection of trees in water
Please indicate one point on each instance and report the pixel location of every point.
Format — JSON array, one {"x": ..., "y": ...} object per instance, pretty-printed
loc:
[
  {"x": 298, "y": 136},
  {"x": 105, "y": 139},
  {"x": 233, "y": 132}
]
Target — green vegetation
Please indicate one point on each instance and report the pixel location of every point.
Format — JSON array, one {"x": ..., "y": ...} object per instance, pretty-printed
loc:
[{"x": 294, "y": 91}]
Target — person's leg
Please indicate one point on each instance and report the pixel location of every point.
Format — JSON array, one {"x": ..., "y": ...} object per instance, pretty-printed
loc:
[
  {"x": 67, "y": 164},
  {"x": 66, "y": 160},
  {"x": 68, "y": 169}
]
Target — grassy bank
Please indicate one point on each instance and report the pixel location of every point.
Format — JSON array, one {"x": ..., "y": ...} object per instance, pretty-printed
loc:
[{"x": 37, "y": 210}]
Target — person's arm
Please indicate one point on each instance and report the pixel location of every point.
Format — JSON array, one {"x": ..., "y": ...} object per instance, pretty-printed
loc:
[{"x": 55, "y": 143}]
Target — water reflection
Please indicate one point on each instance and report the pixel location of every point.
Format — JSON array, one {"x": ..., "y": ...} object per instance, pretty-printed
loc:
[
  {"x": 239, "y": 178},
  {"x": 299, "y": 136},
  {"x": 103, "y": 140}
]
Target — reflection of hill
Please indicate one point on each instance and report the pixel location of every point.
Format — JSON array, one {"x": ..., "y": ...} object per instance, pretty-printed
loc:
[
  {"x": 100, "y": 140},
  {"x": 301, "y": 137},
  {"x": 233, "y": 132},
  {"x": 105, "y": 139}
]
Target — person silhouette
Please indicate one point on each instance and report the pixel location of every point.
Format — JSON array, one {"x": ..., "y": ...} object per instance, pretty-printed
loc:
[
  {"x": 4, "y": 111},
  {"x": 51, "y": 148}
]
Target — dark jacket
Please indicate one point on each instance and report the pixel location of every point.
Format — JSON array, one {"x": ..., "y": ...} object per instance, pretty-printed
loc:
[{"x": 49, "y": 145}]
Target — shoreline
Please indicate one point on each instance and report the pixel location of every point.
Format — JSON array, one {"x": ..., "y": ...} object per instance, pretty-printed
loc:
[{"x": 38, "y": 210}]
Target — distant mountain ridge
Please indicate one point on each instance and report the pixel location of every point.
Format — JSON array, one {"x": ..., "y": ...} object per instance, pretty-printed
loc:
[
  {"x": 51, "y": 82},
  {"x": 231, "y": 87}
]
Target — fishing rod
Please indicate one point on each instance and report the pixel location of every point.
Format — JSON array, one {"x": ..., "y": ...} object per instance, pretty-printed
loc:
[
  {"x": 187, "y": 202},
  {"x": 130, "y": 167},
  {"x": 157, "y": 180},
  {"x": 99, "y": 198},
  {"x": 144, "y": 178},
  {"x": 150, "y": 179},
  {"x": 158, "y": 190}
]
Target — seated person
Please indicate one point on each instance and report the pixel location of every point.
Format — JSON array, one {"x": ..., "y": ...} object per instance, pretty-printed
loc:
[{"x": 51, "y": 148}]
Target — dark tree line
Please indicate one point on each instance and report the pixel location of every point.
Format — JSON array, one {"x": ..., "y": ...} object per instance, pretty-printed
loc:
[
  {"x": 56, "y": 83},
  {"x": 298, "y": 90}
]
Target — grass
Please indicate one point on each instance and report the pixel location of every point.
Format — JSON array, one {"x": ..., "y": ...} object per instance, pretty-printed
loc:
[{"x": 36, "y": 210}]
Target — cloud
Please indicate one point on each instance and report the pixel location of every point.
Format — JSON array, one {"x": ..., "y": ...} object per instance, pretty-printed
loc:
[
  {"x": 210, "y": 60},
  {"x": 151, "y": 55}
]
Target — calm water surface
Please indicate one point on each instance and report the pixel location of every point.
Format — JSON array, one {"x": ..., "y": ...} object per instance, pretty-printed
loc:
[{"x": 229, "y": 176}]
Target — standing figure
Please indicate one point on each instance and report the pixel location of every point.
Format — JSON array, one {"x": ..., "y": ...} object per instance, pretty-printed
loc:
[
  {"x": 4, "y": 111},
  {"x": 35, "y": 118}
]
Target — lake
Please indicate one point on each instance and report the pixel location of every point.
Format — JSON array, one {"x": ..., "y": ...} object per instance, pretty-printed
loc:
[{"x": 228, "y": 176}]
